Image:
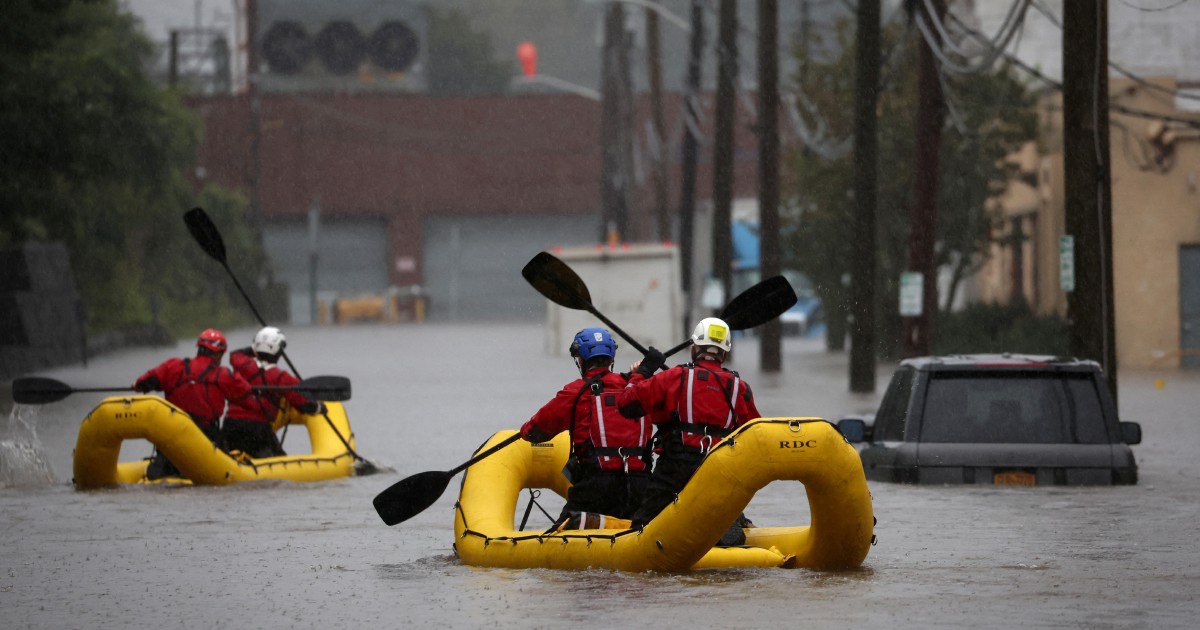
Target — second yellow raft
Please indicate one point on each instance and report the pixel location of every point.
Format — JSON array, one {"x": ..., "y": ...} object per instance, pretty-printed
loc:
[{"x": 172, "y": 431}]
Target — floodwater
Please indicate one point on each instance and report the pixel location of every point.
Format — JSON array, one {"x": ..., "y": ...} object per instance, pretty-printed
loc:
[{"x": 284, "y": 555}]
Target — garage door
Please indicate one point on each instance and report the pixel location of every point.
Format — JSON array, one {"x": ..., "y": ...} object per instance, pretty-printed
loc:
[
  {"x": 353, "y": 258},
  {"x": 472, "y": 264}
]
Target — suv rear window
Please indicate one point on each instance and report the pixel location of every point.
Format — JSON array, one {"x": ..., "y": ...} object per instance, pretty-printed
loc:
[{"x": 1016, "y": 407}]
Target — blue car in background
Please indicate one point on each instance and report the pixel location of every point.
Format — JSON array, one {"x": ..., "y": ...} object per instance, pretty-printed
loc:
[{"x": 807, "y": 317}]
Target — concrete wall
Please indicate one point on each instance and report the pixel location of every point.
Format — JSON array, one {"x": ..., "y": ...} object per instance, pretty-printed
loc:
[{"x": 41, "y": 315}]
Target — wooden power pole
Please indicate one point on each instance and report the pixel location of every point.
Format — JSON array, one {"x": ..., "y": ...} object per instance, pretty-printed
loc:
[
  {"x": 931, "y": 114},
  {"x": 658, "y": 158},
  {"x": 866, "y": 168},
  {"x": 689, "y": 152},
  {"x": 722, "y": 235},
  {"x": 771, "y": 357},
  {"x": 1087, "y": 183},
  {"x": 616, "y": 120}
]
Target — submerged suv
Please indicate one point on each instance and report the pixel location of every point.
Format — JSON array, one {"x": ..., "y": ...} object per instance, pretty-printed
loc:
[{"x": 997, "y": 419}]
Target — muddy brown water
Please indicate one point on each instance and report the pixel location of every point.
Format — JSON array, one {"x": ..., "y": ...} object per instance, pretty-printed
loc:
[{"x": 287, "y": 555}]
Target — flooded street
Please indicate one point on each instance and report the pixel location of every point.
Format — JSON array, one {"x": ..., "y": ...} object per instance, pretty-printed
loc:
[{"x": 281, "y": 554}]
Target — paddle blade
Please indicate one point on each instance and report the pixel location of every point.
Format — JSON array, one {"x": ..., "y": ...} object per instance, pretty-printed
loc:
[
  {"x": 205, "y": 233},
  {"x": 557, "y": 282},
  {"x": 759, "y": 304},
  {"x": 411, "y": 496},
  {"x": 35, "y": 390},
  {"x": 327, "y": 388}
]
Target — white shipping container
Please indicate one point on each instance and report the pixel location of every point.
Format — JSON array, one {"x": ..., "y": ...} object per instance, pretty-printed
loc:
[{"x": 636, "y": 286}]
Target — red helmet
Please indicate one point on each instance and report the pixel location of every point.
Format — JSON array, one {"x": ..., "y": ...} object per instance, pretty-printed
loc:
[{"x": 213, "y": 340}]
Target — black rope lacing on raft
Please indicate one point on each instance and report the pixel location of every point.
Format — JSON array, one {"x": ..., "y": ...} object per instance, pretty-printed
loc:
[
  {"x": 539, "y": 537},
  {"x": 299, "y": 461},
  {"x": 295, "y": 462},
  {"x": 728, "y": 442}
]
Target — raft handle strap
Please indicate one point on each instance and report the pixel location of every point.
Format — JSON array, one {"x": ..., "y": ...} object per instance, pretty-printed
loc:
[{"x": 534, "y": 495}]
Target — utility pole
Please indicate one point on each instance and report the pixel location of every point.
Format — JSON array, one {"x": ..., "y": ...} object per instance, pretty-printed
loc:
[
  {"x": 173, "y": 60},
  {"x": 689, "y": 151},
  {"x": 658, "y": 167},
  {"x": 256, "y": 209},
  {"x": 931, "y": 113},
  {"x": 1088, "y": 184},
  {"x": 866, "y": 167},
  {"x": 771, "y": 356},
  {"x": 722, "y": 236},
  {"x": 615, "y": 122}
]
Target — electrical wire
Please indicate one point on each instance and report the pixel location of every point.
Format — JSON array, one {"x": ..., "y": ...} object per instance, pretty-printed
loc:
[
  {"x": 1154, "y": 9},
  {"x": 1057, "y": 86},
  {"x": 1056, "y": 21},
  {"x": 1012, "y": 23},
  {"x": 993, "y": 48}
]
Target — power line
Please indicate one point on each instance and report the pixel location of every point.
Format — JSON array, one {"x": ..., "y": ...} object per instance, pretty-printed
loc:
[
  {"x": 1153, "y": 9},
  {"x": 1058, "y": 86},
  {"x": 1054, "y": 19}
]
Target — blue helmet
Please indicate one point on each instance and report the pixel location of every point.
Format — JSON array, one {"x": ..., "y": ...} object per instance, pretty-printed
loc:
[{"x": 593, "y": 342}]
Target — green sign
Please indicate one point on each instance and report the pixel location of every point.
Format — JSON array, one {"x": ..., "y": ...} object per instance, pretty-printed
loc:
[
  {"x": 1066, "y": 262},
  {"x": 912, "y": 285}
]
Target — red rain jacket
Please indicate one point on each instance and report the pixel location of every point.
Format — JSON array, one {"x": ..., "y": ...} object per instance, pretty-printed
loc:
[
  {"x": 599, "y": 429},
  {"x": 698, "y": 396},
  {"x": 198, "y": 385}
]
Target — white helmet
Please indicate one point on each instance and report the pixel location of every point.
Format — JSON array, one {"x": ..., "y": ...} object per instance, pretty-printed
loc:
[
  {"x": 714, "y": 332},
  {"x": 269, "y": 341}
]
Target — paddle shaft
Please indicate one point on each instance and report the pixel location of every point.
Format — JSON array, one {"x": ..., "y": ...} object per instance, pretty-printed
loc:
[
  {"x": 258, "y": 316},
  {"x": 414, "y": 494},
  {"x": 488, "y": 453}
]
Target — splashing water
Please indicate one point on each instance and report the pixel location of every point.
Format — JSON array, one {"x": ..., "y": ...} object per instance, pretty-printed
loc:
[{"x": 22, "y": 461}]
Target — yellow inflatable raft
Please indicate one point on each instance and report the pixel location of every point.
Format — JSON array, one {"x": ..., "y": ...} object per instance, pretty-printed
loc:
[
  {"x": 808, "y": 450},
  {"x": 172, "y": 431}
]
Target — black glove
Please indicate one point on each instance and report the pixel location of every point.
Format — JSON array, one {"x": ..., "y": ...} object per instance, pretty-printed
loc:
[
  {"x": 652, "y": 362},
  {"x": 536, "y": 435},
  {"x": 314, "y": 408}
]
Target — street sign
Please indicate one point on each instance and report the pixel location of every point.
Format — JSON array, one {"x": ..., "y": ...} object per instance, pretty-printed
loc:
[
  {"x": 912, "y": 285},
  {"x": 1066, "y": 262}
]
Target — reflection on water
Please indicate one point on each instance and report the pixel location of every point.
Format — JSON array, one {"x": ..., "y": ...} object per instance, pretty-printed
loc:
[{"x": 22, "y": 460}]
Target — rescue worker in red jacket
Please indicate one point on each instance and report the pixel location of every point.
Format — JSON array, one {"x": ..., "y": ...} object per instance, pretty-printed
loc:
[
  {"x": 199, "y": 386},
  {"x": 609, "y": 462},
  {"x": 694, "y": 406},
  {"x": 248, "y": 425}
]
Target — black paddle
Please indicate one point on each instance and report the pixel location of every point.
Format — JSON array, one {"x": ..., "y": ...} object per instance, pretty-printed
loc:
[
  {"x": 38, "y": 390},
  {"x": 209, "y": 237},
  {"x": 412, "y": 495},
  {"x": 754, "y": 307},
  {"x": 561, "y": 285},
  {"x": 206, "y": 234}
]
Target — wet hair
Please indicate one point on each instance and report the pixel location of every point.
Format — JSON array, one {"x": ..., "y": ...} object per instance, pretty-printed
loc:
[
  {"x": 712, "y": 351},
  {"x": 595, "y": 362}
]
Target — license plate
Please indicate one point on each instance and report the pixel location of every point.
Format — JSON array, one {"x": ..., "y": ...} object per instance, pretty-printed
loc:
[{"x": 1014, "y": 478}]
